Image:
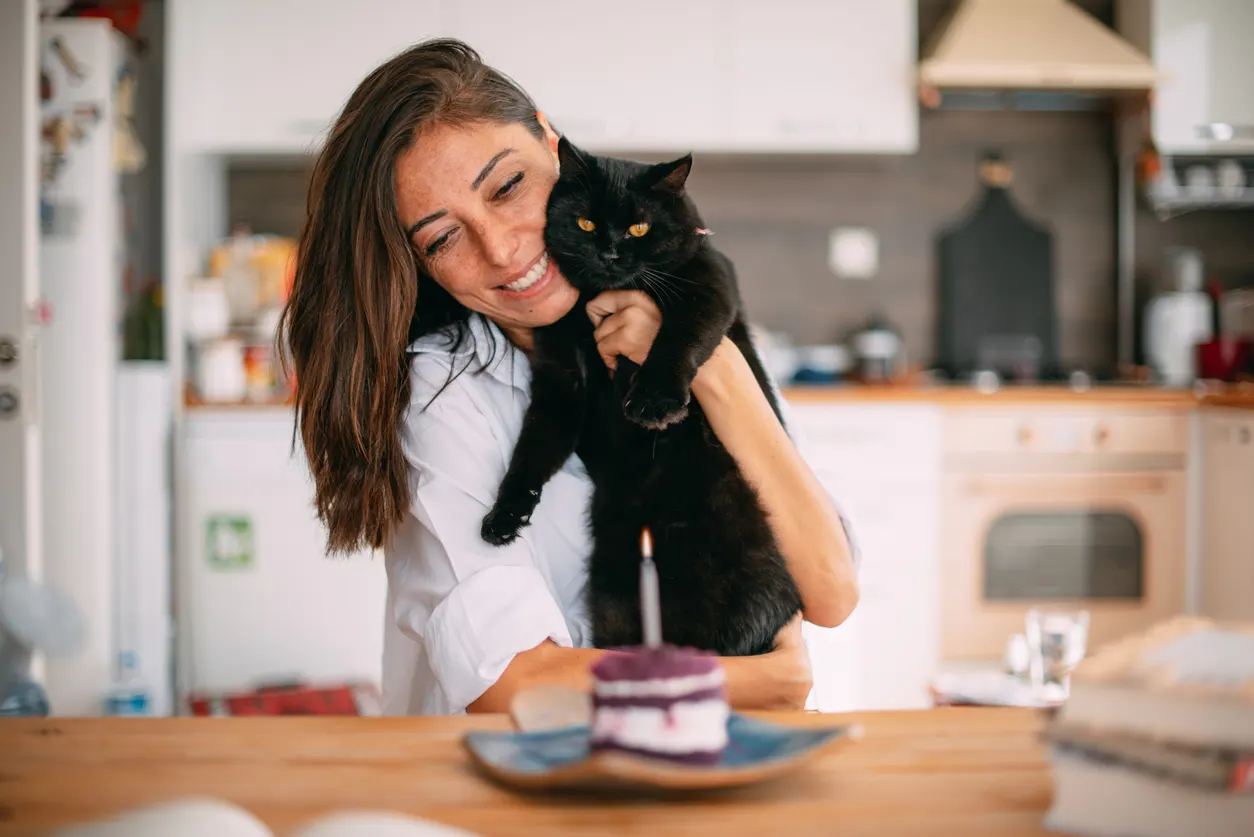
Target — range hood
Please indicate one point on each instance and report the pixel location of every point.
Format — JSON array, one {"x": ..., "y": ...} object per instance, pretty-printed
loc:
[{"x": 1048, "y": 45}]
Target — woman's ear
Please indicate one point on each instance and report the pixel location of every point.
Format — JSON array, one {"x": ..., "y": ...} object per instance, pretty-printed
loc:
[{"x": 550, "y": 136}]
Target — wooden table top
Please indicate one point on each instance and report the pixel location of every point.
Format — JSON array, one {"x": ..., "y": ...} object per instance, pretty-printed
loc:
[{"x": 962, "y": 771}]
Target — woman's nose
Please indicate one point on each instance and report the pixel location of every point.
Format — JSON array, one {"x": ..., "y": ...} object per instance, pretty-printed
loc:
[{"x": 500, "y": 244}]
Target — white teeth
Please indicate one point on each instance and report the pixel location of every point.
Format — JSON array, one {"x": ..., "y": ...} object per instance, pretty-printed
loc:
[{"x": 532, "y": 276}]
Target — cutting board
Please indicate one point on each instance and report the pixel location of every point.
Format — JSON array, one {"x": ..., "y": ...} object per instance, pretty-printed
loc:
[{"x": 996, "y": 271}]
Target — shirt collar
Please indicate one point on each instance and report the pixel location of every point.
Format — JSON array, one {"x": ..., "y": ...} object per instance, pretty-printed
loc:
[{"x": 485, "y": 343}]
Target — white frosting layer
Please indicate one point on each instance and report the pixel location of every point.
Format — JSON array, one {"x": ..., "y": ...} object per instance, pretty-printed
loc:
[
  {"x": 697, "y": 727},
  {"x": 665, "y": 687}
]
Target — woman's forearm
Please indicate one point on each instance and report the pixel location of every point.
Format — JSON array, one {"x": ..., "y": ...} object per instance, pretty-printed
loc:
[
  {"x": 779, "y": 679},
  {"x": 801, "y": 513},
  {"x": 547, "y": 663}
]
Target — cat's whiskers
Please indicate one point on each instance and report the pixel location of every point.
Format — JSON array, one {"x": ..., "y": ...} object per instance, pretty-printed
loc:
[
  {"x": 673, "y": 283},
  {"x": 672, "y": 277},
  {"x": 659, "y": 286}
]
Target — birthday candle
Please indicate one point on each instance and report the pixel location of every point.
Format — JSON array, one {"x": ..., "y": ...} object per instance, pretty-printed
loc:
[{"x": 650, "y": 606}]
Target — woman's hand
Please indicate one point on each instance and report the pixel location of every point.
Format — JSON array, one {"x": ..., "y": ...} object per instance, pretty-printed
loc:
[
  {"x": 792, "y": 661},
  {"x": 626, "y": 323},
  {"x": 778, "y": 679}
]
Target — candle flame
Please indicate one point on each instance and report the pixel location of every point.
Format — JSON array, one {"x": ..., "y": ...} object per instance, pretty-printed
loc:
[{"x": 646, "y": 543}]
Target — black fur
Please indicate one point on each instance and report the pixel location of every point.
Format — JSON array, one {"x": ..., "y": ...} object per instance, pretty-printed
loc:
[{"x": 648, "y": 448}]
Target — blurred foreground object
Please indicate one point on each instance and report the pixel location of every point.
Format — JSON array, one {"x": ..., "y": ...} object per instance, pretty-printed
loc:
[
  {"x": 1157, "y": 738},
  {"x": 33, "y": 617}
]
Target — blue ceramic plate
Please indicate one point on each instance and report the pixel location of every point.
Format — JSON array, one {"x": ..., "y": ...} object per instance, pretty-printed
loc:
[{"x": 562, "y": 759}]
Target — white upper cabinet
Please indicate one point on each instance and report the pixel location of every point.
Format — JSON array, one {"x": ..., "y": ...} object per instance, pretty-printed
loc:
[
  {"x": 272, "y": 75},
  {"x": 630, "y": 77},
  {"x": 1203, "y": 105},
  {"x": 654, "y": 76},
  {"x": 822, "y": 76}
]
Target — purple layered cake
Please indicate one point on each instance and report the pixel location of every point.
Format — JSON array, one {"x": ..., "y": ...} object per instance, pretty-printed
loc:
[{"x": 666, "y": 702}]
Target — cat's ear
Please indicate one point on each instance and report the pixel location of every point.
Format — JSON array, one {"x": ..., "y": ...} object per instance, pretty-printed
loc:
[
  {"x": 671, "y": 177},
  {"x": 569, "y": 158}
]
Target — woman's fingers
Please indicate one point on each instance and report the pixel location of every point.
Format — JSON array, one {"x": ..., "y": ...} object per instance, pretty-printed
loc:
[
  {"x": 611, "y": 302},
  {"x": 612, "y": 324},
  {"x": 627, "y": 322},
  {"x": 622, "y": 343},
  {"x": 790, "y": 635},
  {"x": 794, "y": 663}
]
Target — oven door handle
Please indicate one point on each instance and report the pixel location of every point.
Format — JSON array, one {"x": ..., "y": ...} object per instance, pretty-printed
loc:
[{"x": 1034, "y": 485}]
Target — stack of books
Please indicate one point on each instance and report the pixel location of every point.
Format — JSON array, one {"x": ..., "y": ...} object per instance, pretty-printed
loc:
[{"x": 1157, "y": 736}]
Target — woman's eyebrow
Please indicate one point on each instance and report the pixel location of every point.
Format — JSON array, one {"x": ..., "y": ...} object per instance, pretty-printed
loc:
[
  {"x": 474, "y": 186},
  {"x": 483, "y": 175},
  {"x": 422, "y": 222}
]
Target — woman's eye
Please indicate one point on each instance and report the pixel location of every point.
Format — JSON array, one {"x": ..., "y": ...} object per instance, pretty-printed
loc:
[
  {"x": 509, "y": 185},
  {"x": 438, "y": 245},
  {"x": 585, "y": 224},
  {"x": 637, "y": 230}
]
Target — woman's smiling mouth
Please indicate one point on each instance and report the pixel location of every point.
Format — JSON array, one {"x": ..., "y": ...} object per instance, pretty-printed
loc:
[{"x": 533, "y": 281}]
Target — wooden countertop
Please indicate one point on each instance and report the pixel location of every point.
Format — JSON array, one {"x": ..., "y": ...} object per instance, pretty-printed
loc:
[
  {"x": 1239, "y": 396},
  {"x": 961, "y": 396},
  {"x": 969, "y": 771},
  {"x": 1233, "y": 395}
]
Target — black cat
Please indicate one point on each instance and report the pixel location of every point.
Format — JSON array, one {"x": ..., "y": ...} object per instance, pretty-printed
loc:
[{"x": 648, "y": 448}]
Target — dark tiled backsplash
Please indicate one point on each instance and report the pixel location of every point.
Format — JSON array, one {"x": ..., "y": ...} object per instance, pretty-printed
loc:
[{"x": 772, "y": 215}]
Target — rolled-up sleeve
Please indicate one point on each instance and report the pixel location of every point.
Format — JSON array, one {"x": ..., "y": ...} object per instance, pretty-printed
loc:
[
  {"x": 483, "y": 622},
  {"x": 470, "y": 605}
]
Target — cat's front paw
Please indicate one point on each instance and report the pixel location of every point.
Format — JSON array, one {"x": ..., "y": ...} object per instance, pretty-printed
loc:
[
  {"x": 654, "y": 407},
  {"x": 502, "y": 524}
]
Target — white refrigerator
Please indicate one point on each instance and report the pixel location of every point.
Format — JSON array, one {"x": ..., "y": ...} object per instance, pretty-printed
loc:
[{"x": 96, "y": 483}]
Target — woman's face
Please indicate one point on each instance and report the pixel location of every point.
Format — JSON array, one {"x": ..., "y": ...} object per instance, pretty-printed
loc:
[{"x": 473, "y": 199}]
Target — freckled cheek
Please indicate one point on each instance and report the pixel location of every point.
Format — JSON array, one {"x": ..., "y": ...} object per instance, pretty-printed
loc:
[
  {"x": 460, "y": 275},
  {"x": 533, "y": 211}
]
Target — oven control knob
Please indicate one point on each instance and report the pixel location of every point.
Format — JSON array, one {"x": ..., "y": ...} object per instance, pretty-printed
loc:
[{"x": 9, "y": 402}]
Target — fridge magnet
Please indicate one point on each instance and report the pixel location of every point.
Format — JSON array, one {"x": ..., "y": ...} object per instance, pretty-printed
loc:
[
  {"x": 73, "y": 67},
  {"x": 229, "y": 542},
  {"x": 58, "y": 217},
  {"x": 59, "y": 133}
]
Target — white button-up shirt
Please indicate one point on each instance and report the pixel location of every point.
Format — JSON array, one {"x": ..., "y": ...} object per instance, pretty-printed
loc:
[{"x": 459, "y": 609}]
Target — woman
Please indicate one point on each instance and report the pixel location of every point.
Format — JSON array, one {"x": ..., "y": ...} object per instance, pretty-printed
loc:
[{"x": 421, "y": 274}]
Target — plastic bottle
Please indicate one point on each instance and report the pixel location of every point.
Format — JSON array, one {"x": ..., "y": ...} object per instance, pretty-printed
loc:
[{"x": 130, "y": 696}]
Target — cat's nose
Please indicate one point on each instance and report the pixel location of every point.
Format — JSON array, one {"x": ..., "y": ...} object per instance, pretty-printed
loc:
[{"x": 609, "y": 257}]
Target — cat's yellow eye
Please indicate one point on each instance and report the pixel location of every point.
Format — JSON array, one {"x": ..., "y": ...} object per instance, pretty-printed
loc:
[
  {"x": 585, "y": 224},
  {"x": 637, "y": 230}
]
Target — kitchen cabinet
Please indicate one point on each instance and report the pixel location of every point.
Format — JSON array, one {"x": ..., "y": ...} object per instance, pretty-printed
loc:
[
  {"x": 1227, "y": 566},
  {"x": 882, "y": 464},
  {"x": 815, "y": 77},
  {"x": 1202, "y": 47},
  {"x": 271, "y": 76},
  {"x": 658, "y": 77},
  {"x": 640, "y": 79},
  {"x": 258, "y": 599}
]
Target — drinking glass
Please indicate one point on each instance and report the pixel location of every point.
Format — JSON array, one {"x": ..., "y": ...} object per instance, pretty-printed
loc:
[{"x": 1057, "y": 640}]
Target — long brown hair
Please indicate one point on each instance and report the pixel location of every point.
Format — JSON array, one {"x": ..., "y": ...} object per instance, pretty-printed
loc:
[{"x": 359, "y": 295}]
